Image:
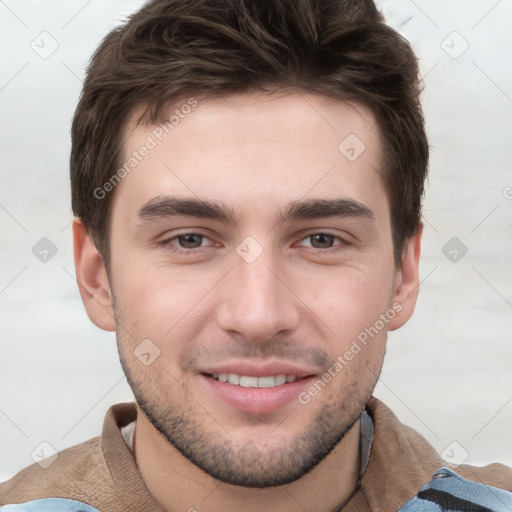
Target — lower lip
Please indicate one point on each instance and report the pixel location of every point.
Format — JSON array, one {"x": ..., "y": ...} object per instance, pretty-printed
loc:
[{"x": 256, "y": 400}]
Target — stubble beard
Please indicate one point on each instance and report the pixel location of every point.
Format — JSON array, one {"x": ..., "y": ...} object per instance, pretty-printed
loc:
[{"x": 242, "y": 462}]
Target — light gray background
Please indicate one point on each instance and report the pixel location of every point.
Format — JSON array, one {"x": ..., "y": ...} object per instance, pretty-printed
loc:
[{"x": 447, "y": 372}]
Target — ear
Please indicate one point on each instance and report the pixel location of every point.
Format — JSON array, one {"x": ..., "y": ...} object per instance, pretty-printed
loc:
[
  {"x": 407, "y": 281},
  {"x": 92, "y": 279}
]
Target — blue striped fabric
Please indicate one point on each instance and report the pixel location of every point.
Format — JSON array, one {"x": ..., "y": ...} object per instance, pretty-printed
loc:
[
  {"x": 49, "y": 505},
  {"x": 448, "y": 492}
]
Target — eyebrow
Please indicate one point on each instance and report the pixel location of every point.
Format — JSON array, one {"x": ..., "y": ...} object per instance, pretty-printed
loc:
[
  {"x": 171, "y": 206},
  {"x": 321, "y": 208}
]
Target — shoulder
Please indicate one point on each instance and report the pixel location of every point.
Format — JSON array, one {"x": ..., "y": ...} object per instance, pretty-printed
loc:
[
  {"x": 496, "y": 475},
  {"x": 399, "y": 442},
  {"x": 449, "y": 491},
  {"x": 70, "y": 475},
  {"x": 402, "y": 462},
  {"x": 49, "y": 505},
  {"x": 100, "y": 473}
]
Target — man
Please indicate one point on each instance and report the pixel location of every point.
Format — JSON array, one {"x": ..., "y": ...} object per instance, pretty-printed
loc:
[{"x": 247, "y": 181}]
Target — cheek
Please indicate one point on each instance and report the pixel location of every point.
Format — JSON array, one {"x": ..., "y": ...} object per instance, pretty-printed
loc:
[
  {"x": 347, "y": 299},
  {"x": 160, "y": 301}
]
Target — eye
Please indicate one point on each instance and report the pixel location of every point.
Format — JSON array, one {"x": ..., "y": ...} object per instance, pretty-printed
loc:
[
  {"x": 322, "y": 241},
  {"x": 189, "y": 240},
  {"x": 186, "y": 242}
]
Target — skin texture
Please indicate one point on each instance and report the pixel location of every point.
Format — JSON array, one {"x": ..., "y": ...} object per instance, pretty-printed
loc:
[{"x": 303, "y": 299}]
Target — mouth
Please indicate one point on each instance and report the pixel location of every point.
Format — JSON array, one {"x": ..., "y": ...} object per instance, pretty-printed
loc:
[
  {"x": 256, "y": 390},
  {"x": 249, "y": 381}
]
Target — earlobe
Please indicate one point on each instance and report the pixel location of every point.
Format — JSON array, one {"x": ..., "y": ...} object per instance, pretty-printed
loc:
[
  {"x": 406, "y": 286},
  {"x": 92, "y": 279}
]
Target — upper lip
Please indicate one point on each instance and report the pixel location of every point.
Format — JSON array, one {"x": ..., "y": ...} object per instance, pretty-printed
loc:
[{"x": 263, "y": 369}]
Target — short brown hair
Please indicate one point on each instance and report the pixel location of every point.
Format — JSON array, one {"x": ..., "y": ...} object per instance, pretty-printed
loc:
[{"x": 173, "y": 48}]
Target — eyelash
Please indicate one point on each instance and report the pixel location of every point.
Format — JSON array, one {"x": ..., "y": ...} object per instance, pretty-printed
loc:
[{"x": 168, "y": 243}]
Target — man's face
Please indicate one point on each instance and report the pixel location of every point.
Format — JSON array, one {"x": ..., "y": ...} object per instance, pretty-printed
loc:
[{"x": 284, "y": 260}]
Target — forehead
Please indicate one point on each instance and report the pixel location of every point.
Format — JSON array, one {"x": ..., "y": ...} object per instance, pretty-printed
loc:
[{"x": 254, "y": 150}]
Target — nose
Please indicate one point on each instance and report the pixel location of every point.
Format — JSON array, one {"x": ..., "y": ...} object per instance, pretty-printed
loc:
[{"x": 257, "y": 301}]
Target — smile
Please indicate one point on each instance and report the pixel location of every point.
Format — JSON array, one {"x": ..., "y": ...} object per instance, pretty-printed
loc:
[{"x": 247, "y": 381}]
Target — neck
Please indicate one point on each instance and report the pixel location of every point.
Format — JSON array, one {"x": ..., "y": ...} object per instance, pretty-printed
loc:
[{"x": 177, "y": 484}]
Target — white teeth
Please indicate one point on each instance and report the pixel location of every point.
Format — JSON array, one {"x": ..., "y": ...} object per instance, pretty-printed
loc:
[
  {"x": 281, "y": 379},
  {"x": 247, "y": 381},
  {"x": 266, "y": 382},
  {"x": 233, "y": 378}
]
